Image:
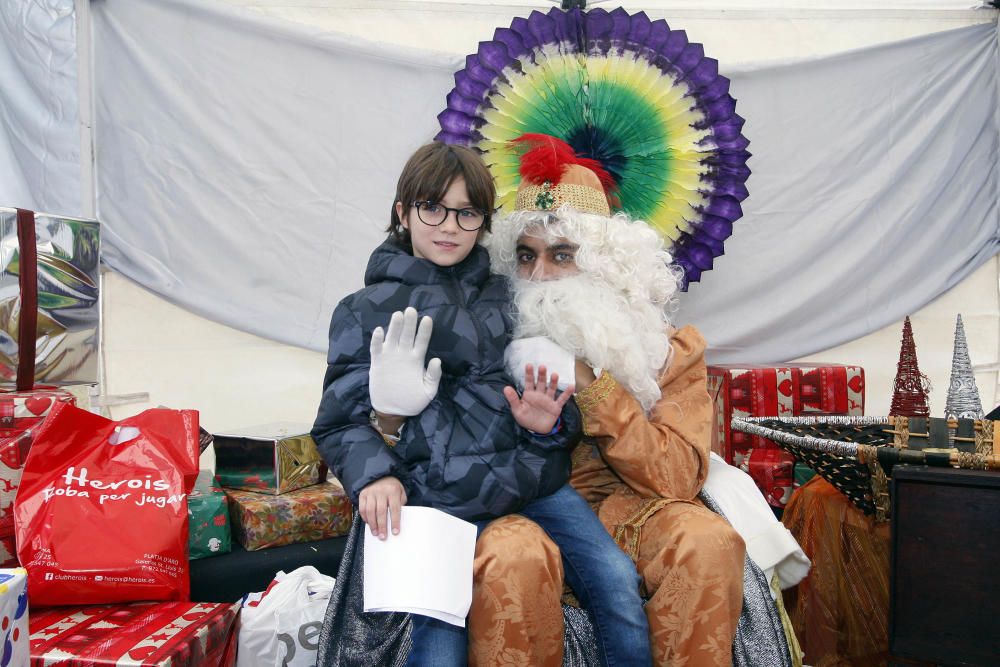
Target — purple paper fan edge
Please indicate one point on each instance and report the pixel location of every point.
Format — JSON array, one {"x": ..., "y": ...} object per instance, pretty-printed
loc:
[{"x": 667, "y": 49}]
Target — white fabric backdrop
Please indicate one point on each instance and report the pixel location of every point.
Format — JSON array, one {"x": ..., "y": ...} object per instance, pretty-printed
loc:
[
  {"x": 39, "y": 135},
  {"x": 266, "y": 234},
  {"x": 247, "y": 175},
  {"x": 875, "y": 189},
  {"x": 246, "y": 167}
]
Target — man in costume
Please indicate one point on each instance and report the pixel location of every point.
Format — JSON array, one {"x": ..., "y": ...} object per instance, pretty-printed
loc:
[{"x": 601, "y": 287}]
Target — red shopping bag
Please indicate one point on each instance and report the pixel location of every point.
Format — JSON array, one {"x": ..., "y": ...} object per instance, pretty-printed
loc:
[{"x": 101, "y": 513}]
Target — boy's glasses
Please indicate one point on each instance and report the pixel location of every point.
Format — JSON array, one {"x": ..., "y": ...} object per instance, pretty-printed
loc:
[{"x": 433, "y": 214}]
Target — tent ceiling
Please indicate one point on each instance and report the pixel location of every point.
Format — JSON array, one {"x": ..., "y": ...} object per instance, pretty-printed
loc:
[{"x": 637, "y": 5}]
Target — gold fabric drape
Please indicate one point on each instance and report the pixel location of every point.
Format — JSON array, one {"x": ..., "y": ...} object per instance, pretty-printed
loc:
[{"x": 840, "y": 611}]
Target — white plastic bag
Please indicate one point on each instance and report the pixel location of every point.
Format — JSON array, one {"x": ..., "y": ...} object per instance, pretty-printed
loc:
[{"x": 280, "y": 627}]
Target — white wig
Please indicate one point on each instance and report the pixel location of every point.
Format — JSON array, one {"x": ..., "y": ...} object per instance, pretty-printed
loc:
[
  {"x": 616, "y": 311},
  {"x": 627, "y": 255}
]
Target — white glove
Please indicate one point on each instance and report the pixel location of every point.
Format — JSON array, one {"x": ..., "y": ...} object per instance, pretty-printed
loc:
[
  {"x": 539, "y": 351},
  {"x": 397, "y": 382}
]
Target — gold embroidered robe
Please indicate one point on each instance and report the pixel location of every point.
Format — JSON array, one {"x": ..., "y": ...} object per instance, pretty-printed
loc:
[{"x": 642, "y": 474}]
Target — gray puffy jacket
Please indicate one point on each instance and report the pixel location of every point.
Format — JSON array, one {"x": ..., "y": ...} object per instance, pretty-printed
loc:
[{"x": 464, "y": 454}]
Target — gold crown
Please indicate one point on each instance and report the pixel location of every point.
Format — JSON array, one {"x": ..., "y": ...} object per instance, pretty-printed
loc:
[{"x": 579, "y": 187}]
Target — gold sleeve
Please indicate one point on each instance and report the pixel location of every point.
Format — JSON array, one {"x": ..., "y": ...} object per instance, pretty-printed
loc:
[{"x": 665, "y": 453}]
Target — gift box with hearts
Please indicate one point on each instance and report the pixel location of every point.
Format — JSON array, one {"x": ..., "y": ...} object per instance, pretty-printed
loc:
[
  {"x": 33, "y": 404},
  {"x": 272, "y": 458},
  {"x": 20, "y": 415},
  {"x": 831, "y": 390},
  {"x": 739, "y": 390},
  {"x": 773, "y": 470},
  {"x": 178, "y": 634}
]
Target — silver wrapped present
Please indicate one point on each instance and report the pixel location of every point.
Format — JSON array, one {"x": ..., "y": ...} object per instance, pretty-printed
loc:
[
  {"x": 272, "y": 458},
  {"x": 67, "y": 324}
]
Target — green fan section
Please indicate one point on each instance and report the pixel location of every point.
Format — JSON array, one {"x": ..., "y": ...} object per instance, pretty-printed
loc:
[{"x": 631, "y": 121}]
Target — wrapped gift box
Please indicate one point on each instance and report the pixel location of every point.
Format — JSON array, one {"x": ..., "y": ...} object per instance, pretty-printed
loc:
[
  {"x": 178, "y": 634},
  {"x": 802, "y": 474},
  {"x": 27, "y": 408},
  {"x": 777, "y": 391},
  {"x": 66, "y": 255},
  {"x": 8, "y": 550},
  {"x": 773, "y": 470},
  {"x": 313, "y": 513},
  {"x": 273, "y": 458},
  {"x": 14, "y": 615},
  {"x": 208, "y": 518},
  {"x": 20, "y": 415}
]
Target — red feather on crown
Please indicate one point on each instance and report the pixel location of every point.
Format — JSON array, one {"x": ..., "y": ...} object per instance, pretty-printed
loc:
[{"x": 546, "y": 157}]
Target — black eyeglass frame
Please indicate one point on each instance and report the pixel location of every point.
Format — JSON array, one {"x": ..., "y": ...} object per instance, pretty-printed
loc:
[{"x": 447, "y": 210}]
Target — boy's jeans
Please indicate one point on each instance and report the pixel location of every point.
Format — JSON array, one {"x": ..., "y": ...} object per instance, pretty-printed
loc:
[{"x": 602, "y": 576}]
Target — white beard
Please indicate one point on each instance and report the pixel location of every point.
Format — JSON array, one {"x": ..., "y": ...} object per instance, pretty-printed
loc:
[{"x": 599, "y": 325}]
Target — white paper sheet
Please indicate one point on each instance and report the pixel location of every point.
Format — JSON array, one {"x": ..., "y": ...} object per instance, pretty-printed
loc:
[{"x": 425, "y": 569}]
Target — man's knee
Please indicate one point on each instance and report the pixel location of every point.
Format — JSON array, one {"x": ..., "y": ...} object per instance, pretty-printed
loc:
[
  {"x": 692, "y": 536},
  {"x": 712, "y": 534},
  {"x": 514, "y": 541}
]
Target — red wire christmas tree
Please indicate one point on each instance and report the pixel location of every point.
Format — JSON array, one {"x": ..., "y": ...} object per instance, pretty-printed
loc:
[{"x": 909, "y": 394}]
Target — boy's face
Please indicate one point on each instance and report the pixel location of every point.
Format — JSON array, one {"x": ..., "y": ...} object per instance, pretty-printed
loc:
[{"x": 446, "y": 244}]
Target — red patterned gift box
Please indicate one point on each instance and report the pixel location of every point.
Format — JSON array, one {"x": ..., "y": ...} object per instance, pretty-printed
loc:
[
  {"x": 144, "y": 634},
  {"x": 20, "y": 415},
  {"x": 316, "y": 512},
  {"x": 777, "y": 391}
]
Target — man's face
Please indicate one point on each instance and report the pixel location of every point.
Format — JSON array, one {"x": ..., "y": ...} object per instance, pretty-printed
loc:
[{"x": 538, "y": 259}]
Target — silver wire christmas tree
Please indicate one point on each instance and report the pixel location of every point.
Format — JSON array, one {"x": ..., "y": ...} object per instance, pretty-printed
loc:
[{"x": 963, "y": 396}]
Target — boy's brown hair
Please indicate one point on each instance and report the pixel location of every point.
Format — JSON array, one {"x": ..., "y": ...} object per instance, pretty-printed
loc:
[{"x": 427, "y": 175}]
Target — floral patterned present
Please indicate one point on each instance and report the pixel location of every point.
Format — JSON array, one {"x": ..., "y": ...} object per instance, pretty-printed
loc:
[
  {"x": 273, "y": 458},
  {"x": 313, "y": 513},
  {"x": 143, "y": 634}
]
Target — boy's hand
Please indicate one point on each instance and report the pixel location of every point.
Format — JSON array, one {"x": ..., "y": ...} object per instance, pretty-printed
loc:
[
  {"x": 398, "y": 383},
  {"x": 383, "y": 497},
  {"x": 538, "y": 408}
]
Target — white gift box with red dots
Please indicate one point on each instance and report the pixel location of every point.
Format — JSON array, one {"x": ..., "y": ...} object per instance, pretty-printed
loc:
[{"x": 14, "y": 650}]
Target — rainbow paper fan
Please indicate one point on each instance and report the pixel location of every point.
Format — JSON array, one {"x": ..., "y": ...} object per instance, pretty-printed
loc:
[{"x": 621, "y": 89}]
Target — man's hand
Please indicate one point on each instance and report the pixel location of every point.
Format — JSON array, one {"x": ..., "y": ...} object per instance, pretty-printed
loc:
[
  {"x": 398, "y": 384},
  {"x": 384, "y": 496},
  {"x": 537, "y": 409},
  {"x": 534, "y": 349},
  {"x": 584, "y": 374}
]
